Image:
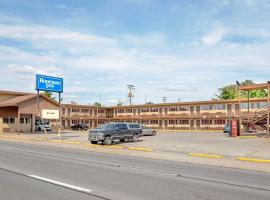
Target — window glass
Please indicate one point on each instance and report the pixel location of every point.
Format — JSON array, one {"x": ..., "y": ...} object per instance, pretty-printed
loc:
[
  {"x": 6, "y": 120},
  {"x": 27, "y": 120},
  {"x": 123, "y": 126},
  {"x": 12, "y": 120},
  {"x": 205, "y": 107},
  {"x": 22, "y": 120}
]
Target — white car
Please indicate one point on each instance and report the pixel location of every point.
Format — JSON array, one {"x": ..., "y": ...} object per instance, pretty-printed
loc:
[
  {"x": 148, "y": 131},
  {"x": 41, "y": 126}
]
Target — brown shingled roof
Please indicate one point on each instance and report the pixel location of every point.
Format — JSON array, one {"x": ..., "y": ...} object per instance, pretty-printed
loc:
[{"x": 19, "y": 99}]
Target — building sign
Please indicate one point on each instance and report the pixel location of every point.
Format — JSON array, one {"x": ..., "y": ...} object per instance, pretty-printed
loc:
[
  {"x": 48, "y": 83},
  {"x": 50, "y": 114}
]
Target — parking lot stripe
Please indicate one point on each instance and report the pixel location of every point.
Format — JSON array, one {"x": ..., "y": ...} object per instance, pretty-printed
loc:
[
  {"x": 206, "y": 155},
  {"x": 140, "y": 149},
  {"x": 254, "y": 160}
]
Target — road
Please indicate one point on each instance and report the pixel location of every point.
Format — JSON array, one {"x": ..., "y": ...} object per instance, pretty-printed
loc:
[{"x": 29, "y": 171}]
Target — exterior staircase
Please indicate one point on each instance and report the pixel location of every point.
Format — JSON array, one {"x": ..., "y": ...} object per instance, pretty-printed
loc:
[{"x": 256, "y": 122}]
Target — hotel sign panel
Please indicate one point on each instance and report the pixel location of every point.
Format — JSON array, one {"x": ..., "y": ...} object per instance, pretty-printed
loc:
[{"x": 49, "y": 83}]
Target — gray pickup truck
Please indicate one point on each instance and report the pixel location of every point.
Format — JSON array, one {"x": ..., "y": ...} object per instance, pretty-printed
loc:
[{"x": 115, "y": 132}]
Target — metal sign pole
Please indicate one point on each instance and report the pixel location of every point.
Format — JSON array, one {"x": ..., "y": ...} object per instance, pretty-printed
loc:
[{"x": 59, "y": 129}]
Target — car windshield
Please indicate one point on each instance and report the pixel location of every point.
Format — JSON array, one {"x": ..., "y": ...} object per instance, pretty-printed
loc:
[{"x": 107, "y": 126}]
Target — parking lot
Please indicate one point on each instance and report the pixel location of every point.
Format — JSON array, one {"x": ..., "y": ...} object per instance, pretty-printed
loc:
[{"x": 185, "y": 142}]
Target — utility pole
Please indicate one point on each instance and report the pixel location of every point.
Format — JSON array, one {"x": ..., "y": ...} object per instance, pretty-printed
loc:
[
  {"x": 131, "y": 88},
  {"x": 145, "y": 98},
  {"x": 164, "y": 99}
]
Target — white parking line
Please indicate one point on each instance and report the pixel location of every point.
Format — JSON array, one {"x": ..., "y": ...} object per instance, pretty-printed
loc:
[{"x": 73, "y": 187}]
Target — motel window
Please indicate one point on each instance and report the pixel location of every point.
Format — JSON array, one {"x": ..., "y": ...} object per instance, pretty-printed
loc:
[
  {"x": 261, "y": 104},
  {"x": 6, "y": 120},
  {"x": 153, "y": 109},
  {"x": 12, "y": 120},
  {"x": 101, "y": 111},
  {"x": 21, "y": 120},
  {"x": 219, "y": 121},
  {"x": 172, "y": 109},
  {"x": 206, "y": 121},
  {"x": 75, "y": 109},
  {"x": 206, "y": 107},
  {"x": 129, "y": 111},
  {"x": 144, "y": 110},
  {"x": 144, "y": 122},
  {"x": 219, "y": 107},
  {"x": 183, "y": 122},
  {"x": 183, "y": 108},
  {"x": 74, "y": 121},
  {"x": 85, "y": 110},
  {"x": 121, "y": 111},
  {"x": 27, "y": 120},
  {"x": 153, "y": 121}
]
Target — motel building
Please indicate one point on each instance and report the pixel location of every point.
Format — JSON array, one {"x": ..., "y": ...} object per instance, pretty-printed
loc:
[{"x": 19, "y": 111}]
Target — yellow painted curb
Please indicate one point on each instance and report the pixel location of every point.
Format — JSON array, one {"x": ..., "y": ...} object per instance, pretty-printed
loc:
[
  {"x": 71, "y": 142},
  {"x": 57, "y": 141},
  {"x": 113, "y": 147},
  {"x": 140, "y": 149},
  {"x": 205, "y": 155},
  {"x": 253, "y": 160},
  {"x": 250, "y": 136}
]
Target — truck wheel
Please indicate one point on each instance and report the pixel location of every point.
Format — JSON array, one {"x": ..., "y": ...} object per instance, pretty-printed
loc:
[
  {"x": 135, "y": 138},
  {"x": 107, "y": 141},
  {"x": 122, "y": 140},
  {"x": 94, "y": 142}
]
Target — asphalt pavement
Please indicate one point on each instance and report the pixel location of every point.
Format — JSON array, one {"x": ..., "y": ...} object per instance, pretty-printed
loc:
[{"x": 29, "y": 171}]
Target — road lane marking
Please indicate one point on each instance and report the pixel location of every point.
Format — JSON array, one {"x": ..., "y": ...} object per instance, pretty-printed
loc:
[
  {"x": 248, "y": 136},
  {"x": 140, "y": 149},
  {"x": 66, "y": 185},
  {"x": 205, "y": 155},
  {"x": 253, "y": 160}
]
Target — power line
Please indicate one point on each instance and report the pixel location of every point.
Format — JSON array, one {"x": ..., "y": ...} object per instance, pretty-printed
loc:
[
  {"x": 164, "y": 99},
  {"x": 131, "y": 88}
]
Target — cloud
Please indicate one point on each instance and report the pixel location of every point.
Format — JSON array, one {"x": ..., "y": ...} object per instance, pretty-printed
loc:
[
  {"x": 215, "y": 36},
  {"x": 30, "y": 70}
]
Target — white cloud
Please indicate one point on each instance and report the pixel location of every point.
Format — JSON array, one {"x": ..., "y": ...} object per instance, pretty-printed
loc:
[{"x": 215, "y": 36}]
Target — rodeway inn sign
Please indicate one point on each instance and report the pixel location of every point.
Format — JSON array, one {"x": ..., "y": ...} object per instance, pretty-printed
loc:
[{"x": 48, "y": 83}]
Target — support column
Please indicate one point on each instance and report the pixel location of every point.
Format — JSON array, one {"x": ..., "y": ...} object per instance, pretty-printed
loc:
[
  {"x": 19, "y": 123},
  {"x": 33, "y": 119},
  {"x": 1, "y": 125}
]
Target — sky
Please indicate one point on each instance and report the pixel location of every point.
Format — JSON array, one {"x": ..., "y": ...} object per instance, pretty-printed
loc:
[{"x": 180, "y": 49}]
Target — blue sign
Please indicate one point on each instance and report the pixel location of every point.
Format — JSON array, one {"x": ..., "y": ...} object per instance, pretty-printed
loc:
[{"x": 48, "y": 83}]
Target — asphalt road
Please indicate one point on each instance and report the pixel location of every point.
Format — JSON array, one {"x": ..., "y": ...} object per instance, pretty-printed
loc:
[{"x": 30, "y": 171}]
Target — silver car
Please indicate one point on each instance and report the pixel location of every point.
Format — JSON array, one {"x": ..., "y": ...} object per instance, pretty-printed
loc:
[{"x": 148, "y": 131}]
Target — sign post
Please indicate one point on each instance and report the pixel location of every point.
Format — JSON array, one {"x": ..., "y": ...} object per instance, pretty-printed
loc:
[{"x": 50, "y": 84}]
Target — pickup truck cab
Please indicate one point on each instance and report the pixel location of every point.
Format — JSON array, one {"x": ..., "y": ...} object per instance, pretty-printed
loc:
[{"x": 112, "y": 132}]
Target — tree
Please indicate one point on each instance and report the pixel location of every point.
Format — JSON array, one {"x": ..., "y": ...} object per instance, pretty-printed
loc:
[
  {"x": 231, "y": 91},
  {"x": 97, "y": 104},
  {"x": 149, "y": 102},
  {"x": 49, "y": 94},
  {"x": 119, "y": 103}
]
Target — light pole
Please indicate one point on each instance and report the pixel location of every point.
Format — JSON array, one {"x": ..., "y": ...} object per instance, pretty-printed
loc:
[
  {"x": 239, "y": 102},
  {"x": 130, "y": 93}
]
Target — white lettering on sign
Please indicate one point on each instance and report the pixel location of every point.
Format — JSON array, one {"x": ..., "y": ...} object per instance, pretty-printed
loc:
[
  {"x": 49, "y": 83},
  {"x": 50, "y": 114}
]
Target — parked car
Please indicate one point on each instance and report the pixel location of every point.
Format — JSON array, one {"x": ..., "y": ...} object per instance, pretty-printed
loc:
[
  {"x": 148, "y": 131},
  {"x": 79, "y": 127},
  {"x": 115, "y": 132},
  {"x": 227, "y": 128},
  {"x": 41, "y": 126}
]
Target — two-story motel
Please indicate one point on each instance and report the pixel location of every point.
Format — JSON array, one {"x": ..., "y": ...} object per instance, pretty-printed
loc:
[
  {"x": 19, "y": 111},
  {"x": 199, "y": 115}
]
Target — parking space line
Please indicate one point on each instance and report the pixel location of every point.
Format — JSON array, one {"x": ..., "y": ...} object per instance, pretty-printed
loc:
[
  {"x": 66, "y": 185},
  {"x": 139, "y": 149},
  {"x": 206, "y": 155},
  {"x": 253, "y": 160}
]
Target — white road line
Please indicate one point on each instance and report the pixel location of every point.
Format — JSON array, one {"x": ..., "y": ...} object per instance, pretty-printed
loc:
[{"x": 60, "y": 183}]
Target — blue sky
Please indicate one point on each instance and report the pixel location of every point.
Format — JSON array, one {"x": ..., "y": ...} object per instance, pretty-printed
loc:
[{"x": 179, "y": 49}]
